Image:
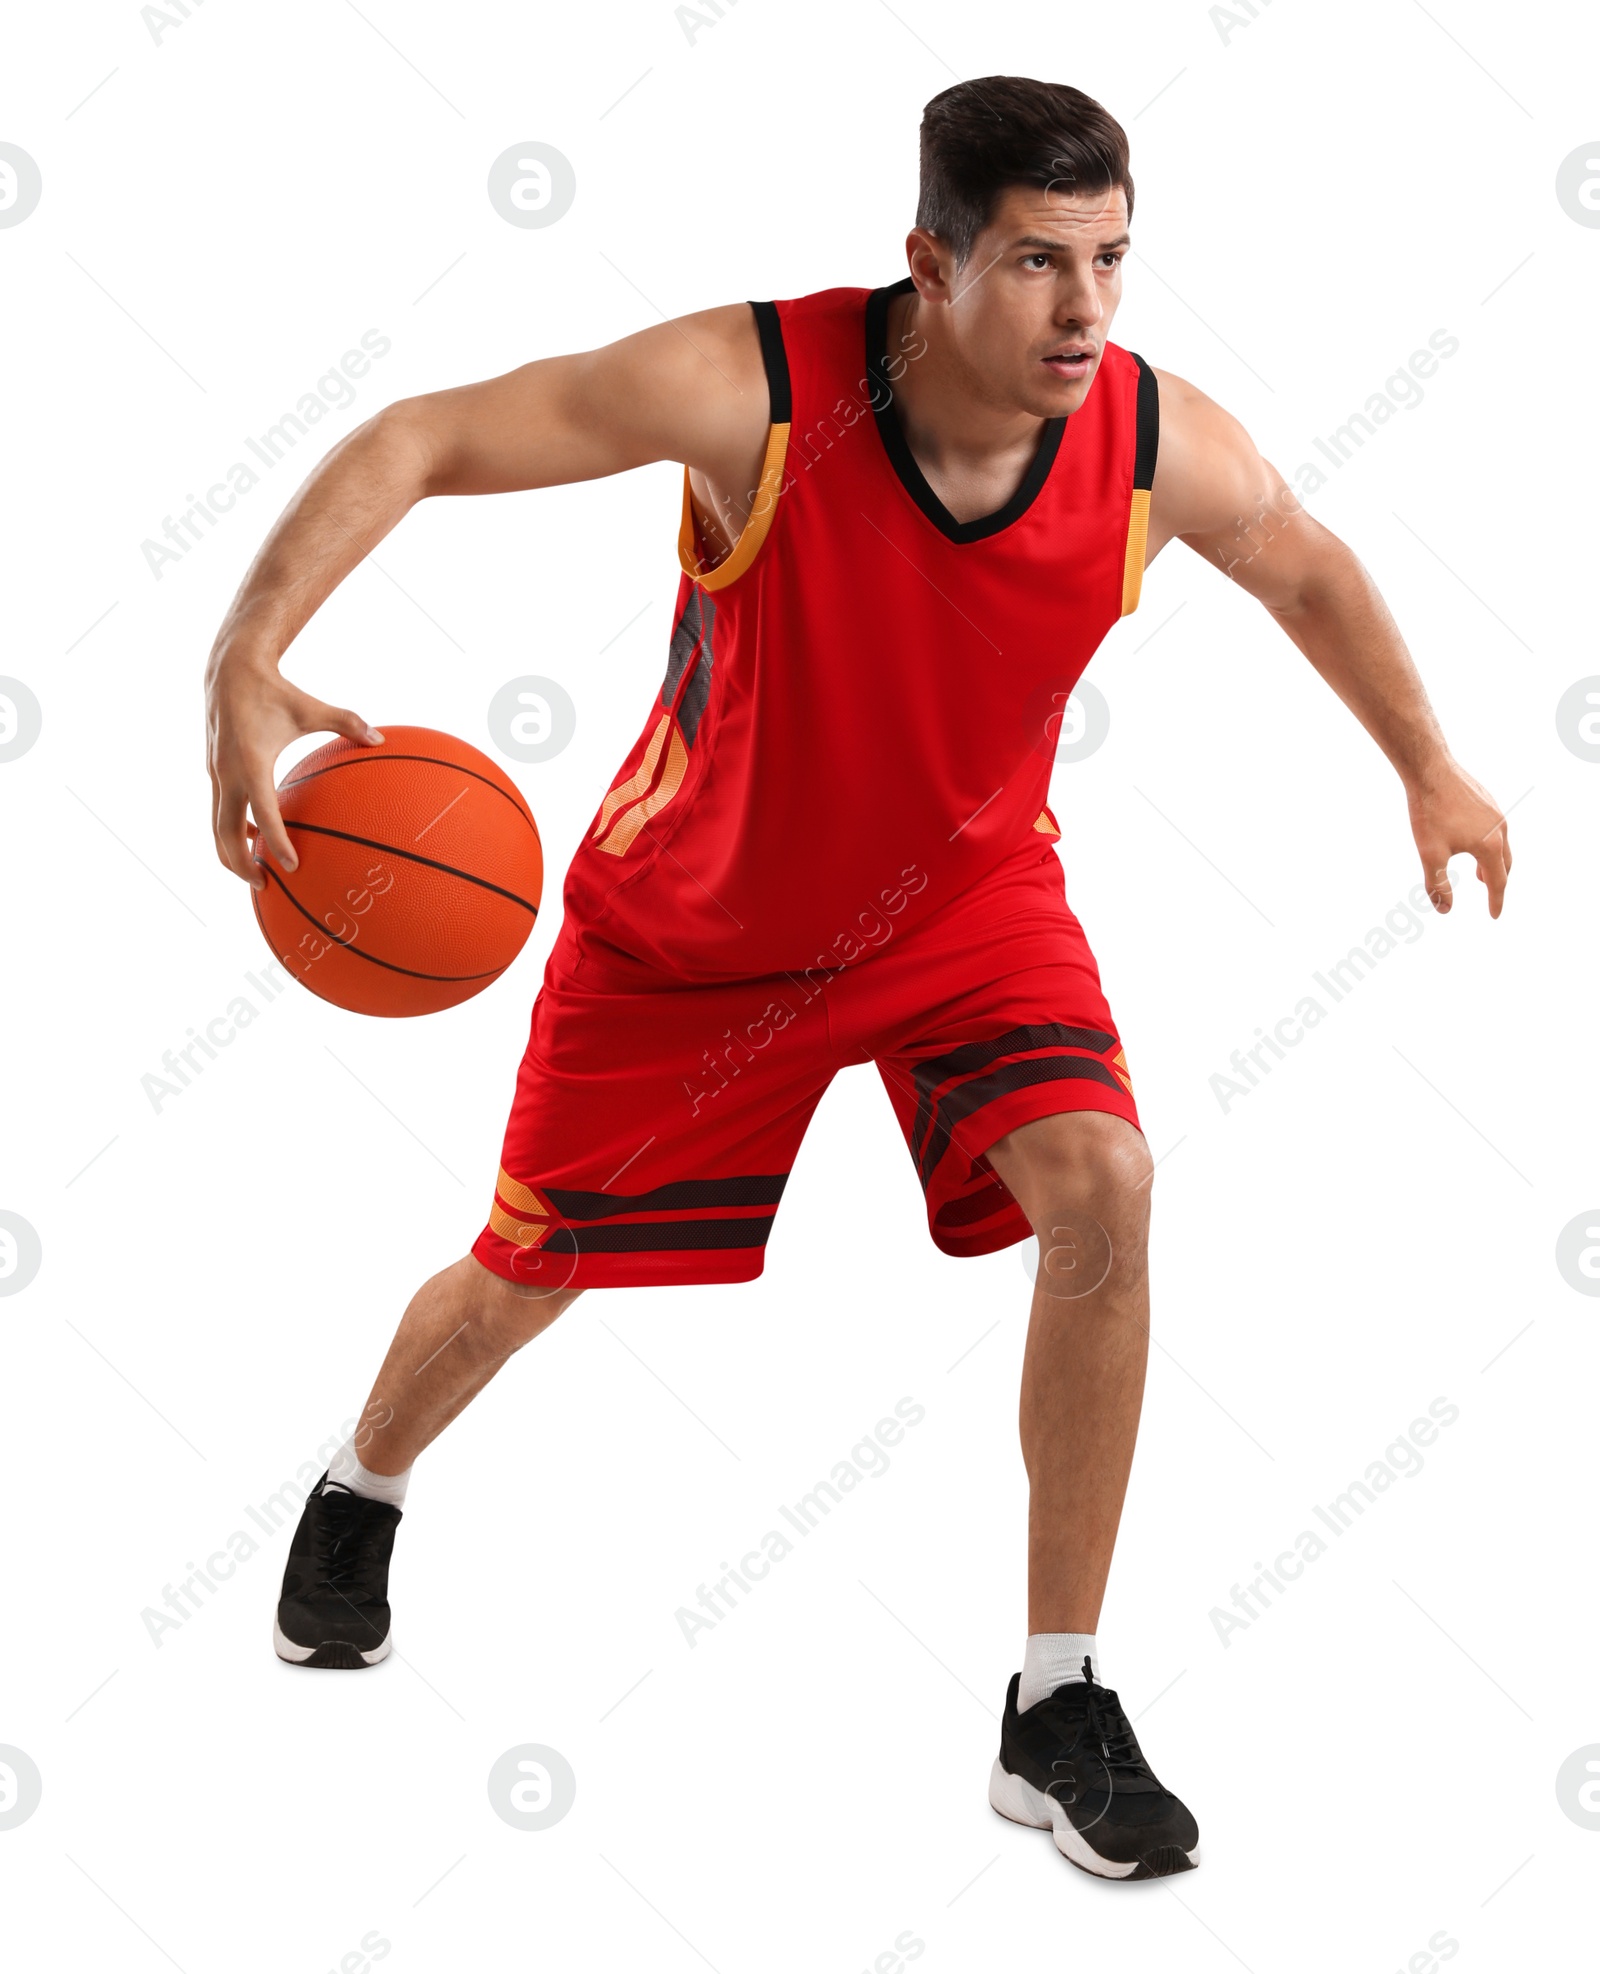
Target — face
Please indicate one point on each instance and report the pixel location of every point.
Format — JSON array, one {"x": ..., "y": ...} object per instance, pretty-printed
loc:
[{"x": 1031, "y": 309}]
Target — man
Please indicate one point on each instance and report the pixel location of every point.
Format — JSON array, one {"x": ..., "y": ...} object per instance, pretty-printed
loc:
[{"x": 910, "y": 515}]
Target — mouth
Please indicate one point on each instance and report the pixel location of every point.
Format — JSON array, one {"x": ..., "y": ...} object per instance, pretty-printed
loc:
[{"x": 1072, "y": 363}]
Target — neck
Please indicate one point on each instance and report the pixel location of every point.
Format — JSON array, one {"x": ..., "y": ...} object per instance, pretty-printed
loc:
[{"x": 945, "y": 407}]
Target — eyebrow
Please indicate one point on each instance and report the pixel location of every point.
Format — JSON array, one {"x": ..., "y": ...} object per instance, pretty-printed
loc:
[{"x": 1056, "y": 246}]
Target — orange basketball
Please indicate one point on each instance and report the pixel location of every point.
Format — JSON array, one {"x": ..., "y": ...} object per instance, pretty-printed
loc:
[{"x": 419, "y": 877}]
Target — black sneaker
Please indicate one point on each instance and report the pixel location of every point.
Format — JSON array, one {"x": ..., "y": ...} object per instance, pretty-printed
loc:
[
  {"x": 334, "y": 1611},
  {"x": 1071, "y": 1765}
]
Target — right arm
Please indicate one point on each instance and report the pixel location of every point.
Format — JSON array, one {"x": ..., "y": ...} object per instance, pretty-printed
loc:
[{"x": 692, "y": 391}]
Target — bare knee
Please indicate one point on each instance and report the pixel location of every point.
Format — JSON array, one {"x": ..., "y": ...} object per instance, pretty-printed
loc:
[
  {"x": 1079, "y": 1163},
  {"x": 1083, "y": 1180}
]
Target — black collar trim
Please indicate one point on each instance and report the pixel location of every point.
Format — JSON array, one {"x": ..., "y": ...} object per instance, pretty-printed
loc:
[{"x": 910, "y": 474}]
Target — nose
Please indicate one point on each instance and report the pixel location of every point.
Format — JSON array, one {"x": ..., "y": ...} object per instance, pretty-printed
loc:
[{"x": 1079, "y": 302}]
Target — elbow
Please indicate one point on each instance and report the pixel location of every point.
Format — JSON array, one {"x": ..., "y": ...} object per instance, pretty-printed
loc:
[
  {"x": 405, "y": 435},
  {"x": 1293, "y": 602}
]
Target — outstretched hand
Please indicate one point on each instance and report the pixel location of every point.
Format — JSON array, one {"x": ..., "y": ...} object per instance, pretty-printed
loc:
[{"x": 1453, "y": 815}]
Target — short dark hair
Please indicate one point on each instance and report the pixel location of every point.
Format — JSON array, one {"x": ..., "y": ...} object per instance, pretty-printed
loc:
[{"x": 980, "y": 136}]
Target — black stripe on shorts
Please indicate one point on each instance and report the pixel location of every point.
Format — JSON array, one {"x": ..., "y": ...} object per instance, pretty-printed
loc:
[
  {"x": 970, "y": 1056},
  {"x": 746, "y": 1189},
  {"x": 979, "y": 1090},
  {"x": 655, "y": 1236}
]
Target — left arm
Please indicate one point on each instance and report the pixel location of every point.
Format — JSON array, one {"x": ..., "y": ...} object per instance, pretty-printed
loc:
[{"x": 1215, "y": 493}]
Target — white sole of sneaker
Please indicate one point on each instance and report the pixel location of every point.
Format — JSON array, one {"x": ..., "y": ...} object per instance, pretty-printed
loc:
[
  {"x": 1022, "y": 1803},
  {"x": 298, "y": 1654}
]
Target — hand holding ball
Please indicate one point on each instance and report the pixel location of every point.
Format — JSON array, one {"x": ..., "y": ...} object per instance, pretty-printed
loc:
[{"x": 419, "y": 875}]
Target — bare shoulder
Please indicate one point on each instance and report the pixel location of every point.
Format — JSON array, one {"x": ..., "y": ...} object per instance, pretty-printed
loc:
[
  {"x": 718, "y": 348},
  {"x": 697, "y": 381},
  {"x": 1208, "y": 470}
]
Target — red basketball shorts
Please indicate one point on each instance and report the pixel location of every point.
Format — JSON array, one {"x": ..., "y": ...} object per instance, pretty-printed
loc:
[{"x": 656, "y": 1120}]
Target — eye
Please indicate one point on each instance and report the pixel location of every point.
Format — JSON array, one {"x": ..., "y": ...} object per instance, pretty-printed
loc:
[
  {"x": 1031, "y": 260},
  {"x": 1113, "y": 258}
]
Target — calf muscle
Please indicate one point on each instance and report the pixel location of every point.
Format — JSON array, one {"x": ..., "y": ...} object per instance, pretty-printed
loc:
[{"x": 458, "y": 1330}]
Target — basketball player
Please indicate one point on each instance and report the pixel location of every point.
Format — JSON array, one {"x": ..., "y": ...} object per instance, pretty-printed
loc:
[{"x": 910, "y": 515}]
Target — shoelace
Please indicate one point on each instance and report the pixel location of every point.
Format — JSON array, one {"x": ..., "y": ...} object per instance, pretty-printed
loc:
[
  {"x": 1110, "y": 1727},
  {"x": 342, "y": 1564}
]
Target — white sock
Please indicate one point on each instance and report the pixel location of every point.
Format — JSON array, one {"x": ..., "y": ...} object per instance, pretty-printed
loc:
[
  {"x": 345, "y": 1470},
  {"x": 1054, "y": 1658}
]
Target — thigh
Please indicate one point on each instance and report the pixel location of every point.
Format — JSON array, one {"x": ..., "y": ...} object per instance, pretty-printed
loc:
[
  {"x": 653, "y": 1129},
  {"x": 1002, "y": 1021}
]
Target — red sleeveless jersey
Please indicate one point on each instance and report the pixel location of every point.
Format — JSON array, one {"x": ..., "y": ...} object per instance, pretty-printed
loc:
[{"x": 862, "y": 700}]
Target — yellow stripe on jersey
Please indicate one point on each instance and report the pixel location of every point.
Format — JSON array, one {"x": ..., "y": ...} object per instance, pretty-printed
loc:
[
  {"x": 1133, "y": 558},
  {"x": 639, "y": 781},
  {"x": 633, "y": 820}
]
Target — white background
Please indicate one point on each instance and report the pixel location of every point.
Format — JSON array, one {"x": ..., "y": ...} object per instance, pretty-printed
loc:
[{"x": 1372, "y": 1761}]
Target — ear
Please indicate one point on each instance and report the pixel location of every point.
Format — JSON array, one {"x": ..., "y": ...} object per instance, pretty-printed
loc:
[{"x": 931, "y": 262}]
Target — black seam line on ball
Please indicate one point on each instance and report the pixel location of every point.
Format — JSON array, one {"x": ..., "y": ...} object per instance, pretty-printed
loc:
[
  {"x": 414, "y": 856},
  {"x": 375, "y": 759},
  {"x": 304, "y": 980},
  {"x": 349, "y": 945}
]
